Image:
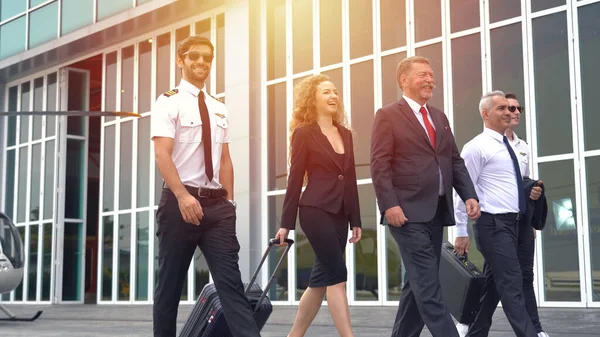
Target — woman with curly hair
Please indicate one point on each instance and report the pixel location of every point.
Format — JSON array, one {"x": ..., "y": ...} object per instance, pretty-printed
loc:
[{"x": 322, "y": 155}]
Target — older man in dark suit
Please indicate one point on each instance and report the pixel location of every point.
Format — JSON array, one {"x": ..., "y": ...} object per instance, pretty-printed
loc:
[{"x": 414, "y": 165}]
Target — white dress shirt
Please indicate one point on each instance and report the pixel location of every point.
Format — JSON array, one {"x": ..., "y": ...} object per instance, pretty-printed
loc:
[
  {"x": 415, "y": 108},
  {"x": 177, "y": 116},
  {"x": 522, "y": 152},
  {"x": 491, "y": 169}
]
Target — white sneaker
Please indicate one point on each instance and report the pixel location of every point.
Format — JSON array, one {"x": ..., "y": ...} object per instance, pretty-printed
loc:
[
  {"x": 463, "y": 329},
  {"x": 541, "y": 334}
]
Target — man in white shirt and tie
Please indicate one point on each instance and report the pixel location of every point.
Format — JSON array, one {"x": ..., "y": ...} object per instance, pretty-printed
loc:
[{"x": 495, "y": 172}]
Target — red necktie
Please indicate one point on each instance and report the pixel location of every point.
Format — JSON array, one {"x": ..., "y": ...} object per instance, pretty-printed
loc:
[{"x": 428, "y": 126}]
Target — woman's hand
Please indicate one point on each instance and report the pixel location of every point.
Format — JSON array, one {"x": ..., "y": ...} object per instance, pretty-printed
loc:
[
  {"x": 282, "y": 234},
  {"x": 356, "y": 235}
]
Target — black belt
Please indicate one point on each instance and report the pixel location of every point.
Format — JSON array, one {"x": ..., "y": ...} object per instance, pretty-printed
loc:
[
  {"x": 511, "y": 216},
  {"x": 209, "y": 193}
]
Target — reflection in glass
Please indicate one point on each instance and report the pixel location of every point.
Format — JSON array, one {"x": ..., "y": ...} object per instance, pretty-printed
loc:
[
  {"x": 390, "y": 90},
  {"x": 506, "y": 46},
  {"x": 163, "y": 60},
  {"x": 302, "y": 35},
  {"x": 38, "y": 105},
  {"x": 73, "y": 246},
  {"x": 393, "y": 24},
  {"x": 278, "y": 140},
  {"x": 589, "y": 42},
  {"x": 552, "y": 89},
  {"x": 12, "y": 37},
  {"x": 365, "y": 251},
  {"x": 279, "y": 290},
  {"x": 51, "y": 104},
  {"x": 9, "y": 199},
  {"x": 464, "y": 14},
  {"x": 144, "y": 76},
  {"x": 43, "y": 24},
  {"x": 33, "y": 262},
  {"x": 144, "y": 162},
  {"x": 10, "y": 8},
  {"x": 434, "y": 54},
  {"x": 76, "y": 14},
  {"x": 124, "y": 257},
  {"x": 13, "y": 99},
  {"x": 108, "y": 185},
  {"x": 49, "y": 158},
  {"x": 467, "y": 88},
  {"x": 202, "y": 273},
  {"x": 276, "y": 39},
  {"x": 34, "y": 192},
  {"x": 108, "y": 8},
  {"x": 361, "y": 29},
  {"x": 593, "y": 199},
  {"x": 220, "y": 48},
  {"x": 46, "y": 260},
  {"x": 559, "y": 238},
  {"x": 361, "y": 93},
  {"x": 395, "y": 270},
  {"x": 107, "y": 257},
  {"x": 504, "y": 9},
  {"x": 141, "y": 265},
  {"x": 180, "y": 35},
  {"x": 428, "y": 19},
  {"x": 78, "y": 100},
  {"x": 331, "y": 32},
  {"x": 25, "y": 106},
  {"x": 539, "y": 5},
  {"x": 125, "y": 163},
  {"x": 22, "y": 182},
  {"x": 75, "y": 177}
]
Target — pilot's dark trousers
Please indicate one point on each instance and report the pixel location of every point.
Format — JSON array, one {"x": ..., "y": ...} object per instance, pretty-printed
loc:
[
  {"x": 421, "y": 301},
  {"x": 216, "y": 238}
]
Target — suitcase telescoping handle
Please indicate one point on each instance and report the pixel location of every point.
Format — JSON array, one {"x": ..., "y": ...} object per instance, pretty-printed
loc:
[{"x": 272, "y": 243}]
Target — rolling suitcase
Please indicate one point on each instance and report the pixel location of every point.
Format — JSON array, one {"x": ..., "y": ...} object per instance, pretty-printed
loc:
[
  {"x": 207, "y": 319},
  {"x": 462, "y": 284}
]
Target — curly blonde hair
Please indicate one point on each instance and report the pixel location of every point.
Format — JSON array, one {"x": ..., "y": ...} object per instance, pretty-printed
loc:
[{"x": 305, "y": 112}]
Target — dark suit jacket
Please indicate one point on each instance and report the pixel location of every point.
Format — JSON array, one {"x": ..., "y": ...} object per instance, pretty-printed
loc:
[
  {"x": 330, "y": 186},
  {"x": 404, "y": 166},
  {"x": 537, "y": 210}
]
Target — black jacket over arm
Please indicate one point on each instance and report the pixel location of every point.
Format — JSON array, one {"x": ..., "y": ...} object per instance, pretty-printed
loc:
[
  {"x": 537, "y": 210},
  {"x": 330, "y": 187}
]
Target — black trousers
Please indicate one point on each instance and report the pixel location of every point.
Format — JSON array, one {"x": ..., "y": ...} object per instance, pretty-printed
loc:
[
  {"x": 216, "y": 238},
  {"x": 525, "y": 253},
  {"x": 421, "y": 301},
  {"x": 496, "y": 238}
]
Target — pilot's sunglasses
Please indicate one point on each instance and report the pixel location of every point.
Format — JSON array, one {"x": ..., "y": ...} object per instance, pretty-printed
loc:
[
  {"x": 512, "y": 108},
  {"x": 194, "y": 55}
]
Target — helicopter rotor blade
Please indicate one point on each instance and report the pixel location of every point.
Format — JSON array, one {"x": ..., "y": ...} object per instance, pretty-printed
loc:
[{"x": 72, "y": 113}]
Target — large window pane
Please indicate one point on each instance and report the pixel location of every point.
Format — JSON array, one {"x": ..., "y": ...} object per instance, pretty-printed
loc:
[
  {"x": 559, "y": 238},
  {"x": 143, "y": 162},
  {"x": 10, "y": 8},
  {"x": 277, "y": 136},
  {"x": 13, "y": 99},
  {"x": 49, "y": 158},
  {"x": 144, "y": 77},
  {"x": 180, "y": 35},
  {"x": 33, "y": 262},
  {"x": 51, "y": 105},
  {"x": 73, "y": 262},
  {"x": 108, "y": 186},
  {"x": 78, "y": 100},
  {"x": 38, "y": 105},
  {"x": 393, "y": 23},
  {"x": 107, "y": 8},
  {"x": 203, "y": 28},
  {"x": 124, "y": 256},
  {"x": 390, "y": 90},
  {"x": 552, "y": 88},
  {"x": 25, "y": 106},
  {"x": 76, "y": 174},
  {"x": 302, "y": 35},
  {"x": 589, "y": 42},
  {"x": 221, "y": 52},
  {"x": 365, "y": 251},
  {"x": 466, "y": 85},
  {"x": 34, "y": 193},
  {"x": 127, "y": 79},
  {"x": 9, "y": 199},
  {"x": 504, "y": 9},
  {"x": 279, "y": 290},
  {"x": 276, "y": 39},
  {"x": 361, "y": 29},
  {"x": 107, "y": 258},
  {"x": 125, "y": 165},
  {"x": 202, "y": 276},
  {"x": 361, "y": 79},
  {"x": 43, "y": 24},
  {"x": 110, "y": 95},
  {"x": 593, "y": 187},
  {"x": 143, "y": 249},
  {"x": 19, "y": 290},
  {"x": 331, "y": 32},
  {"x": 76, "y": 14},
  {"x": 395, "y": 270},
  {"x": 434, "y": 54},
  {"x": 12, "y": 37},
  {"x": 163, "y": 59},
  {"x": 428, "y": 19},
  {"x": 47, "y": 261},
  {"x": 538, "y": 5},
  {"x": 464, "y": 14},
  {"x": 22, "y": 181},
  {"x": 507, "y": 65}
]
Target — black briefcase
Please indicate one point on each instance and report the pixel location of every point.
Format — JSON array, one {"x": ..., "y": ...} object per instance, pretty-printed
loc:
[{"x": 462, "y": 284}]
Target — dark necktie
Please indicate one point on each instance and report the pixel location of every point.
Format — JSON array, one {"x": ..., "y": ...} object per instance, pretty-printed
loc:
[
  {"x": 206, "y": 139},
  {"x": 428, "y": 126},
  {"x": 520, "y": 187}
]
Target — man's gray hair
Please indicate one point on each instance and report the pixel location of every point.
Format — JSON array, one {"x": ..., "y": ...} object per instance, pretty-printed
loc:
[{"x": 486, "y": 100}]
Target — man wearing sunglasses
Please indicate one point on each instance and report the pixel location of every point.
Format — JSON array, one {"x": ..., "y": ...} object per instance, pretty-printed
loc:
[{"x": 190, "y": 130}]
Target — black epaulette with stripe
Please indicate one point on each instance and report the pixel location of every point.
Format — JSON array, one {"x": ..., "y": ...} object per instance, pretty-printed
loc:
[{"x": 171, "y": 92}]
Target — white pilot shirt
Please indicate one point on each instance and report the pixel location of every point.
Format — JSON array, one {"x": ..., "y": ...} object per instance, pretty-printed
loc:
[
  {"x": 522, "y": 152},
  {"x": 491, "y": 169},
  {"x": 176, "y": 115},
  {"x": 415, "y": 108}
]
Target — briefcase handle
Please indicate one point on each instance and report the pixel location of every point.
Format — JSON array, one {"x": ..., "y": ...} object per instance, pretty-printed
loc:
[{"x": 272, "y": 242}]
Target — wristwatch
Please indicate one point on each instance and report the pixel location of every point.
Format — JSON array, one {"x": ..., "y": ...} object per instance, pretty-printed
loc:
[{"x": 234, "y": 203}]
